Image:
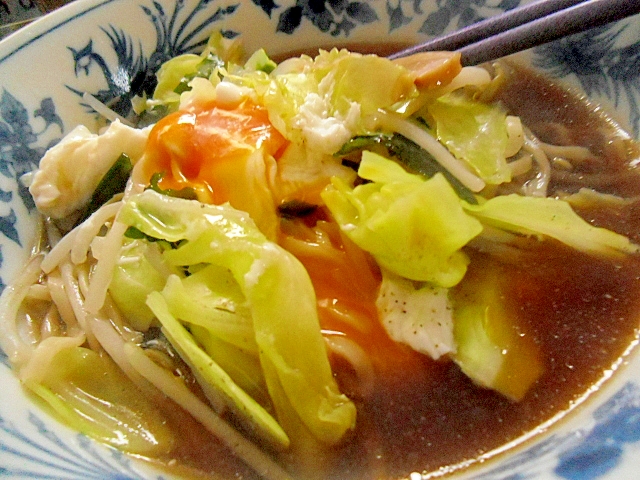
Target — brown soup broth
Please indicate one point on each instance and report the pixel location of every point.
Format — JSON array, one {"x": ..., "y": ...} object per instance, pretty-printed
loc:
[{"x": 582, "y": 312}]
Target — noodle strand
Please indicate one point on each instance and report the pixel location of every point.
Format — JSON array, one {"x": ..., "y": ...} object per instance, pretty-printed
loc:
[
  {"x": 88, "y": 230},
  {"x": 77, "y": 301},
  {"x": 357, "y": 358},
  {"x": 11, "y": 342},
  {"x": 107, "y": 257},
  {"x": 419, "y": 136},
  {"x": 537, "y": 187},
  {"x": 62, "y": 301}
]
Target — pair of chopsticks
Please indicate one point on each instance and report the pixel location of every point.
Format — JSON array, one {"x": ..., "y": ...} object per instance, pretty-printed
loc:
[{"x": 525, "y": 27}]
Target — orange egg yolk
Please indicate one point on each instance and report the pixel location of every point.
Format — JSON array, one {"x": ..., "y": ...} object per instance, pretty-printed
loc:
[
  {"x": 203, "y": 149},
  {"x": 346, "y": 283}
]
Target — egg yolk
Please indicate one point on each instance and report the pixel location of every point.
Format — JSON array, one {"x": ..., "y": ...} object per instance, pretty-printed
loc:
[
  {"x": 346, "y": 283},
  {"x": 207, "y": 148}
]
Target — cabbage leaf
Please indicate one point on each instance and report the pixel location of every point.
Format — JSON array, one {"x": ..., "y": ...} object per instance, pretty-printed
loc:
[
  {"x": 416, "y": 314},
  {"x": 90, "y": 393},
  {"x": 175, "y": 74},
  {"x": 552, "y": 218},
  {"x": 219, "y": 318},
  {"x": 413, "y": 227},
  {"x": 217, "y": 385},
  {"x": 278, "y": 291},
  {"x": 134, "y": 278},
  {"x": 474, "y": 132},
  {"x": 491, "y": 349},
  {"x": 170, "y": 76}
]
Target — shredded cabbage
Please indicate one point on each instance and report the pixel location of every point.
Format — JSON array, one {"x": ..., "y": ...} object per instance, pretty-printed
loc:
[{"x": 323, "y": 100}]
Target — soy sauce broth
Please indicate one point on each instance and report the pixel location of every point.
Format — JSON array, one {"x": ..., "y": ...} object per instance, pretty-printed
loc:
[{"x": 582, "y": 314}]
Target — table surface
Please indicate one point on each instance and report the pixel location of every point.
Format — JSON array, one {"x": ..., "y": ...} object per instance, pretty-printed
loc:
[{"x": 16, "y": 13}]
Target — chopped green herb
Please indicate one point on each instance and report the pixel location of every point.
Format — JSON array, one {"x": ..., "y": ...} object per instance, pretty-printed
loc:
[
  {"x": 186, "y": 193},
  {"x": 204, "y": 70},
  {"x": 363, "y": 142},
  {"x": 113, "y": 182},
  {"x": 261, "y": 61},
  {"x": 413, "y": 157},
  {"x": 136, "y": 234}
]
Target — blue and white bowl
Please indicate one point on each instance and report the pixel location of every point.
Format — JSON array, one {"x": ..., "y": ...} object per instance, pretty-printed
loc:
[{"x": 100, "y": 46}]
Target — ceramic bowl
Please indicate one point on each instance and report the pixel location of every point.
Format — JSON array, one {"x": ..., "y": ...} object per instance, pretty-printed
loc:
[{"x": 100, "y": 46}]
